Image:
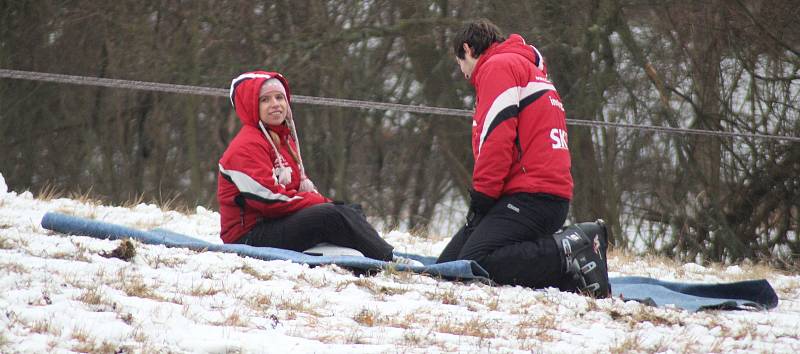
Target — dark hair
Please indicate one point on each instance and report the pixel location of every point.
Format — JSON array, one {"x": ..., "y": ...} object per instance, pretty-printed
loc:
[{"x": 479, "y": 35}]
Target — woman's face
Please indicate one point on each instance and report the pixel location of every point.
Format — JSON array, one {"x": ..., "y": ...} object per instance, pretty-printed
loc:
[{"x": 273, "y": 108}]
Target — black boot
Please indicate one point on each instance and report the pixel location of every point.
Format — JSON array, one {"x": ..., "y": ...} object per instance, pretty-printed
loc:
[{"x": 583, "y": 247}]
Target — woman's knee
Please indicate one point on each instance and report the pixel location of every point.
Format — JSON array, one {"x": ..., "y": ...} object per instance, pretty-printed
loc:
[
  {"x": 321, "y": 209},
  {"x": 324, "y": 215}
]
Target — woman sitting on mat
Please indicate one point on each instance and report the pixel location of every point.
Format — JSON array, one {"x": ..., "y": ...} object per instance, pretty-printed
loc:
[{"x": 265, "y": 197}]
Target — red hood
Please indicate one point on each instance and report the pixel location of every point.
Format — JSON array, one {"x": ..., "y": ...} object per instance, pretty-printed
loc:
[
  {"x": 244, "y": 94},
  {"x": 514, "y": 44}
]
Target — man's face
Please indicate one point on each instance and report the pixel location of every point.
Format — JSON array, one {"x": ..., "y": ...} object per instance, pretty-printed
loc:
[{"x": 467, "y": 64}]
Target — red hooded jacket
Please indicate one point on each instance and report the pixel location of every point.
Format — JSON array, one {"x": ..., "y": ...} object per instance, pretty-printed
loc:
[
  {"x": 519, "y": 132},
  {"x": 247, "y": 188}
]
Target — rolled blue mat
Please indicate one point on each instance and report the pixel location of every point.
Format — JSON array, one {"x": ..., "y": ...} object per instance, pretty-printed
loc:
[{"x": 463, "y": 270}]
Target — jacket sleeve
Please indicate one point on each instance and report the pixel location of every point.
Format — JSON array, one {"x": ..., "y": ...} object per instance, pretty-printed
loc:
[
  {"x": 250, "y": 170},
  {"x": 498, "y": 103}
]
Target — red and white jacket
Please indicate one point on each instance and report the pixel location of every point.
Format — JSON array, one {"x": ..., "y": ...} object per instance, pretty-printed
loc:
[
  {"x": 247, "y": 187},
  {"x": 519, "y": 132}
]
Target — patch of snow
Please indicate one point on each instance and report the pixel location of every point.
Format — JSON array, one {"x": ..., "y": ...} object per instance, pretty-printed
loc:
[
  {"x": 694, "y": 268},
  {"x": 734, "y": 269},
  {"x": 59, "y": 293}
]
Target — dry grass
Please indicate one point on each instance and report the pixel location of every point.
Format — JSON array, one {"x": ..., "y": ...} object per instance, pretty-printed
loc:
[
  {"x": 355, "y": 336},
  {"x": 6, "y": 243},
  {"x": 247, "y": 269},
  {"x": 393, "y": 273},
  {"x": 86, "y": 197},
  {"x": 80, "y": 253},
  {"x": 745, "y": 330},
  {"x": 49, "y": 192},
  {"x": 297, "y": 305},
  {"x": 420, "y": 232},
  {"x": 647, "y": 314},
  {"x": 74, "y": 280},
  {"x": 4, "y": 341},
  {"x": 203, "y": 289},
  {"x": 475, "y": 327},
  {"x": 663, "y": 345},
  {"x": 45, "y": 326},
  {"x": 494, "y": 303},
  {"x": 446, "y": 296},
  {"x": 789, "y": 289},
  {"x": 169, "y": 261},
  {"x": 70, "y": 256},
  {"x": 92, "y": 296},
  {"x": 134, "y": 285},
  {"x": 172, "y": 202},
  {"x": 536, "y": 327},
  {"x": 149, "y": 224},
  {"x": 90, "y": 213},
  {"x": 761, "y": 269},
  {"x": 406, "y": 322},
  {"x": 125, "y": 317},
  {"x": 749, "y": 271},
  {"x": 139, "y": 334},
  {"x": 411, "y": 338},
  {"x": 366, "y": 317},
  {"x": 629, "y": 344},
  {"x": 316, "y": 282},
  {"x": 80, "y": 334},
  {"x": 91, "y": 346},
  {"x": 234, "y": 319},
  {"x": 43, "y": 300},
  {"x": 372, "y": 286},
  {"x": 9, "y": 268},
  {"x": 133, "y": 201},
  {"x": 258, "y": 302}
]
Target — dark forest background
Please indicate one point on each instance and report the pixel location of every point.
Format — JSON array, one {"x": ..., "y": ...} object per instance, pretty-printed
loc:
[{"x": 711, "y": 64}]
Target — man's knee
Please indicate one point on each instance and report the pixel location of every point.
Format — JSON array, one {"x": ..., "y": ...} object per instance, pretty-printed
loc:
[{"x": 476, "y": 248}]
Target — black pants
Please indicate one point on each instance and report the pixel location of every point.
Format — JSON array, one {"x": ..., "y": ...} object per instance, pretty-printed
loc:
[
  {"x": 340, "y": 225},
  {"x": 514, "y": 241}
]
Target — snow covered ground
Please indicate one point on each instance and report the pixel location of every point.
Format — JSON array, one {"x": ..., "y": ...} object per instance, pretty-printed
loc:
[{"x": 64, "y": 294}]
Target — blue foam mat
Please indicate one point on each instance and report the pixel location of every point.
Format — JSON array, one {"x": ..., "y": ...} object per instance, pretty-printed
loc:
[
  {"x": 751, "y": 294},
  {"x": 463, "y": 270}
]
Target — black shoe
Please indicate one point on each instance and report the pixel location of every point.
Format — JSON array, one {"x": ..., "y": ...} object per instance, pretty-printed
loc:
[{"x": 584, "y": 247}]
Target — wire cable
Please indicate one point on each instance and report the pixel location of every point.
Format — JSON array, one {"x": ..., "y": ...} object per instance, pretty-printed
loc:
[{"x": 346, "y": 103}]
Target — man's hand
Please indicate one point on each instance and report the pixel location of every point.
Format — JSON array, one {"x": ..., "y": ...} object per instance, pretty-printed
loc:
[{"x": 479, "y": 205}]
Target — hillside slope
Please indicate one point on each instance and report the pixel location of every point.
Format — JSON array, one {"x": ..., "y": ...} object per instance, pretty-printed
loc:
[{"x": 68, "y": 293}]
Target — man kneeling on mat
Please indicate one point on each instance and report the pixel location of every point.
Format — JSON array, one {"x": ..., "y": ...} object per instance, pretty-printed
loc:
[{"x": 521, "y": 182}]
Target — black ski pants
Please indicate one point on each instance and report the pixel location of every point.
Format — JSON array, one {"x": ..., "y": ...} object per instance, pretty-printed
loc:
[
  {"x": 341, "y": 225},
  {"x": 514, "y": 242}
]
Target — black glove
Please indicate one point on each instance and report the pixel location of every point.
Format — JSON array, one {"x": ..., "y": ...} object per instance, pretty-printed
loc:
[{"x": 479, "y": 205}]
